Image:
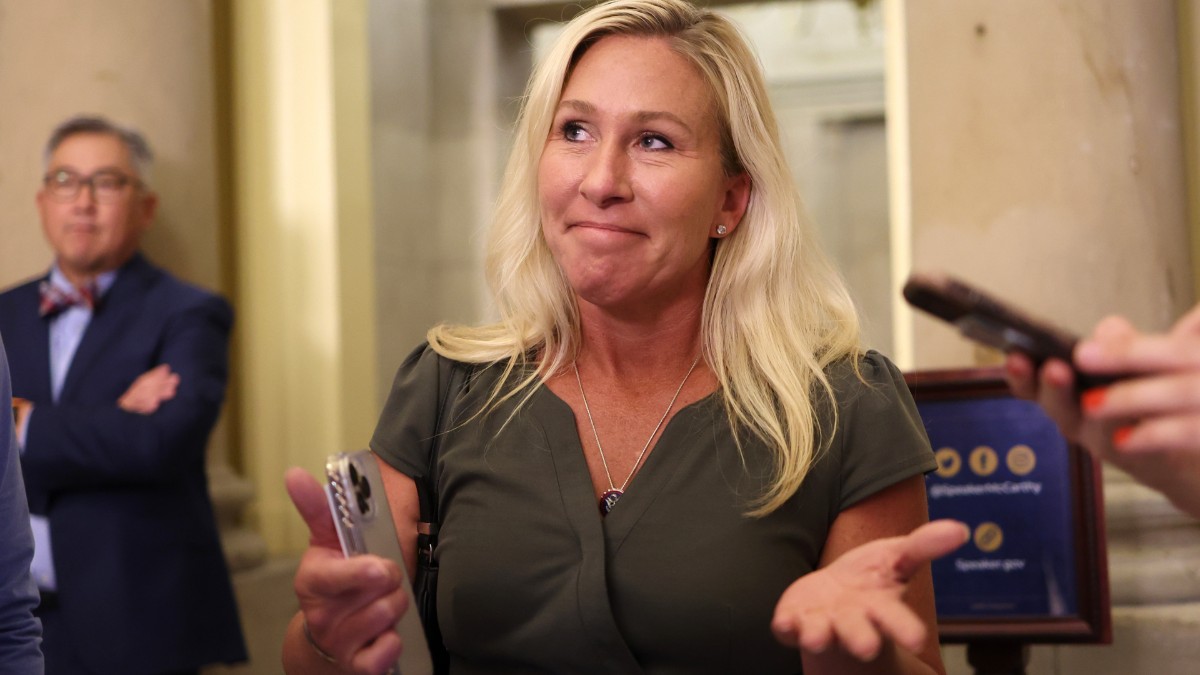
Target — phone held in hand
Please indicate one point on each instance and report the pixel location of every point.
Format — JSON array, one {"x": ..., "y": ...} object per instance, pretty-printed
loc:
[
  {"x": 993, "y": 322},
  {"x": 364, "y": 524}
]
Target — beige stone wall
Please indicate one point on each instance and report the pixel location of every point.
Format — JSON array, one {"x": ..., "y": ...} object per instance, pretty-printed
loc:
[
  {"x": 140, "y": 62},
  {"x": 1047, "y": 159},
  {"x": 433, "y": 138}
]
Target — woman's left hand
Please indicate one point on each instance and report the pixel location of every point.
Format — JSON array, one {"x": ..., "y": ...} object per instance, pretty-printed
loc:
[{"x": 857, "y": 602}]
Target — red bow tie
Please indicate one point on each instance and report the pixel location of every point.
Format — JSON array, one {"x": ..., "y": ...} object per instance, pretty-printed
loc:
[{"x": 55, "y": 299}]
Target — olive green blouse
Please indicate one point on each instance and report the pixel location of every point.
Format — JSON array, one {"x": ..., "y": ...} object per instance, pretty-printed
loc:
[{"x": 676, "y": 579}]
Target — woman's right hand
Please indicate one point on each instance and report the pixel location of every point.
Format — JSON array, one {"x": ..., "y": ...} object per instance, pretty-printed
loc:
[{"x": 350, "y": 605}]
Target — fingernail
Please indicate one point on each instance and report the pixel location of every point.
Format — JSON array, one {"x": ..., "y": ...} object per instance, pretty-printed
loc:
[
  {"x": 1121, "y": 435},
  {"x": 1093, "y": 399},
  {"x": 377, "y": 572}
]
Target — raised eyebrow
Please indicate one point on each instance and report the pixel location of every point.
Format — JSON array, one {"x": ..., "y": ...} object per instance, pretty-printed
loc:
[
  {"x": 576, "y": 105},
  {"x": 642, "y": 117},
  {"x": 655, "y": 115}
]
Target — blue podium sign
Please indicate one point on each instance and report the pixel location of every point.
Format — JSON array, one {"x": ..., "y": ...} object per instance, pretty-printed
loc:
[
  {"x": 1003, "y": 469},
  {"x": 1035, "y": 568}
]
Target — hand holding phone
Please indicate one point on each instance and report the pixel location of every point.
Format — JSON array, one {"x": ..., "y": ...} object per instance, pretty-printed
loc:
[
  {"x": 993, "y": 322},
  {"x": 364, "y": 524}
]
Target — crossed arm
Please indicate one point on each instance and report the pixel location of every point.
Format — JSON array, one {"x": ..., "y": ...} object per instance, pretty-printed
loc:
[
  {"x": 153, "y": 431},
  {"x": 150, "y": 390}
]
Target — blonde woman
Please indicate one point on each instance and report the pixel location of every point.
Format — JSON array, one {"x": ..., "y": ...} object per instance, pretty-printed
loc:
[{"x": 671, "y": 453}]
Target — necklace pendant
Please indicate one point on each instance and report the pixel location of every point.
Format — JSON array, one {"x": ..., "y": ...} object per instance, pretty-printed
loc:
[{"x": 608, "y": 500}]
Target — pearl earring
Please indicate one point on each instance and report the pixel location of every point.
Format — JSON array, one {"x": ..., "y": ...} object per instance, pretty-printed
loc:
[{"x": 721, "y": 230}]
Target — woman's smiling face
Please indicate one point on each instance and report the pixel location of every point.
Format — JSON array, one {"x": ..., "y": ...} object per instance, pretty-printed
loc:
[{"x": 630, "y": 180}]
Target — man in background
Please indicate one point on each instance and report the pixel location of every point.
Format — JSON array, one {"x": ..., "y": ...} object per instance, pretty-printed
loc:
[
  {"x": 118, "y": 373},
  {"x": 19, "y": 630}
]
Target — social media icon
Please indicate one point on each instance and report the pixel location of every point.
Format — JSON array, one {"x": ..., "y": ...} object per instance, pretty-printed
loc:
[
  {"x": 988, "y": 537},
  {"x": 948, "y": 462},
  {"x": 984, "y": 461},
  {"x": 1021, "y": 460}
]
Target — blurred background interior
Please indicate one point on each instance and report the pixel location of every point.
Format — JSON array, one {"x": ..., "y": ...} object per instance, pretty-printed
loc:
[{"x": 329, "y": 165}]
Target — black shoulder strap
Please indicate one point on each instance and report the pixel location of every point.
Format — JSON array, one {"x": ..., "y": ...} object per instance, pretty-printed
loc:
[
  {"x": 427, "y": 484},
  {"x": 425, "y": 583}
]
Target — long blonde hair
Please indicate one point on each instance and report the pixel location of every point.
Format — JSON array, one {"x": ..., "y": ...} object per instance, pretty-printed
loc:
[{"x": 775, "y": 313}]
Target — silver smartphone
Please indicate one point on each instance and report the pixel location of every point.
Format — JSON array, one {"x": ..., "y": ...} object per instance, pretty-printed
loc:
[{"x": 364, "y": 525}]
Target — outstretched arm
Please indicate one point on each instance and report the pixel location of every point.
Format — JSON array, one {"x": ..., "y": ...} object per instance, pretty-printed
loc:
[
  {"x": 1148, "y": 422},
  {"x": 869, "y": 608}
]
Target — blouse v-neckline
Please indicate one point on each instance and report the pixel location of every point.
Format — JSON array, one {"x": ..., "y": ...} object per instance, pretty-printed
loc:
[
  {"x": 600, "y": 537},
  {"x": 643, "y": 487}
]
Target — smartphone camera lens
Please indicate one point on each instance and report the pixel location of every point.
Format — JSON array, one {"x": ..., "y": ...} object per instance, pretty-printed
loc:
[{"x": 362, "y": 490}]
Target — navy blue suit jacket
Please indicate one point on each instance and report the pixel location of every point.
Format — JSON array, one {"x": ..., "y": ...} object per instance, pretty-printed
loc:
[
  {"x": 142, "y": 582},
  {"x": 20, "y": 632}
]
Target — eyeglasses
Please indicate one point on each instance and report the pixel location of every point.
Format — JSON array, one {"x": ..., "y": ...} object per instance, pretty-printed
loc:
[{"x": 107, "y": 185}]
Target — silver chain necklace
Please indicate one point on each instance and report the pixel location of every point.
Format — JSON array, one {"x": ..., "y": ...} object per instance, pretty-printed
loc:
[{"x": 609, "y": 499}]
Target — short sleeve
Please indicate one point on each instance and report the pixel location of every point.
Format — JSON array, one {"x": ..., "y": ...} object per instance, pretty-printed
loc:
[
  {"x": 880, "y": 438},
  {"x": 408, "y": 422}
]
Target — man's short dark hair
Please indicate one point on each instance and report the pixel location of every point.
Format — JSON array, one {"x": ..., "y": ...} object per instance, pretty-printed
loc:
[{"x": 139, "y": 149}]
